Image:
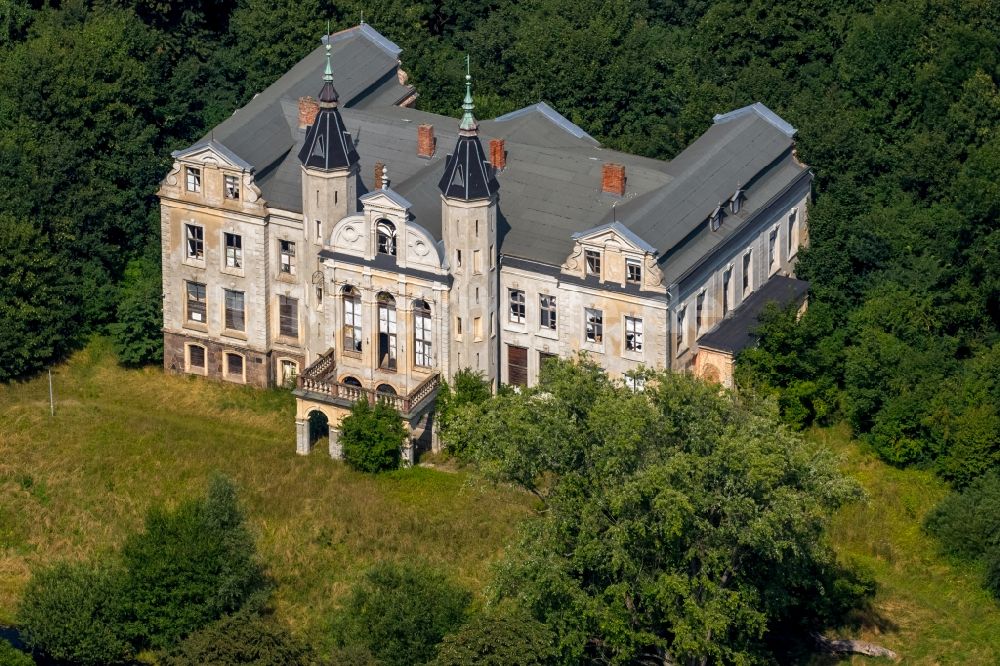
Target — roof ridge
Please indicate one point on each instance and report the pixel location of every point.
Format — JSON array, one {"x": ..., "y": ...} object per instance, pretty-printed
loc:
[
  {"x": 370, "y": 33},
  {"x": 761, "y": 110},
  {"x": 551, "y": 114}
]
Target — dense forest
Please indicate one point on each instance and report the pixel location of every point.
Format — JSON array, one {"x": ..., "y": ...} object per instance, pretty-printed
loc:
[{"x": 896, "y": 103}]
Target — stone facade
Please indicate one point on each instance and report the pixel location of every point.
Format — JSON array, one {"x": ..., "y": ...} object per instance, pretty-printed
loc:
[{"x": 361, "y": 294}]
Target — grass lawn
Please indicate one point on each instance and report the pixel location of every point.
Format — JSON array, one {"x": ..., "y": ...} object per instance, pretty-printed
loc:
[
  {"x": 927, "y": 609},
  {"x": 72, "y": 486}
]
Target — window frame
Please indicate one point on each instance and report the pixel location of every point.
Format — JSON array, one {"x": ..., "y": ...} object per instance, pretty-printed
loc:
[
  {"x": 284, "y": 316},
  {"x": 629, "y": 265},
  {"x": 699, "y": 312},
  {"x": 680, "y": 334},
  {"x": 189, "y": 367},
  {"x": 386, "y": 238},
  {"x": 226, "y": 309},
  {"x": 747, "y": 273},
  {"x": 226, "y": 371},
  {"x": 201, "y": 306},
  {"x": 234, "y": 251},
  {"x": 194, "y": 242},
  {"x": 593, "y": 326},
  {"x": 231, "y": 187},
  {"x": 352, "y": 320},
  {"x": 633, "y": 326},
  {"x": 773, "y": 249},
  {"x": 423, "y": 335},
  {"x": 592, "y": 262},
  {"x": 517, "y": 312},
  {"x": 192, "y": 179},
  {"x": 548, "y": 317},
  {"x": 793, "y": 232}
]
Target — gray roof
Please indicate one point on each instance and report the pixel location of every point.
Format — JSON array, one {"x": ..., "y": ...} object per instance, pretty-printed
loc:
[
  {"x": 736, "y": 332},
  {"x": 550, "y": 188}
]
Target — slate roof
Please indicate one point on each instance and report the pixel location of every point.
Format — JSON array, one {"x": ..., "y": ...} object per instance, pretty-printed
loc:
[
  {"x": 327, "y": 144},
  {"x": 467, "y": 173},
  {"x": 550, "y": 188},
  {"x": 735, "y": 333}
]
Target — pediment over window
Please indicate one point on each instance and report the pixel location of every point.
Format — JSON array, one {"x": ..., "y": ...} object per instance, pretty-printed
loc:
[
  {"x": 212, "y": 152},
  {"x": 612, "y": 253},
  {"x": 616, "y": 234},
  {"x": 386, "y": 200}
]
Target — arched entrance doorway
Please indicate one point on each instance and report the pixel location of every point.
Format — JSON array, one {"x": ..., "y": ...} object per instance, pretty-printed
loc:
[{"x": 319, "y": 427}]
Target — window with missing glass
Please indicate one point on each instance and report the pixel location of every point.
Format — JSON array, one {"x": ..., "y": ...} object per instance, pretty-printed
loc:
[
  {"x": 286, "y": 257},
  {"x": 633, "y": 334},
  {"x": 422, "y": 334},
  {"x": 193, "y": 179},
  {"x": 593, "y": 262},
  {"x": 352, "y": 320},
  {"x": 594, "y": 325},
  {"x": 633, "y": 271},
  {"x": 196, "y": 302},
  {"x": 234, "y": 250},
  {"x": 547, "y": 310},
  {"x": 516, "y": 298},
  {"x": 231, "y": 187},
  {"x": 195, "y": 236}
]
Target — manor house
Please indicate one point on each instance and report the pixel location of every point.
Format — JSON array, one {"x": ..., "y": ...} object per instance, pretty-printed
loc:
[{"x": 329, "y": 236}]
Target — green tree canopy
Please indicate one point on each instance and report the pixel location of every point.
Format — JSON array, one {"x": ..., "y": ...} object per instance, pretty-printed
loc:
[
  {"x": 372, "y": 436},
  {"x": 676, "y": 521}
]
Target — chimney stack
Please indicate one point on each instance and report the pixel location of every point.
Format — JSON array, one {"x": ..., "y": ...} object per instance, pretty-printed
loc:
[
  {"x": 498, "y": 156},
  {"x": 379, "y": 166},
  {"x": 308, "y": 110},
  {"x": 425, "y": 140},
  {"x": 613, "y": 178}
]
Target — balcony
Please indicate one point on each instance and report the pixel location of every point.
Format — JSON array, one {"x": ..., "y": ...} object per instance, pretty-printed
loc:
[{"x": 318, "y": 382}]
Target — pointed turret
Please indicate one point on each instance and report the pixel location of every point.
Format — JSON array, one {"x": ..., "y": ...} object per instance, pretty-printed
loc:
[
  {"x": 468, "y": 175},
  {"x": 328, "y": 144}
]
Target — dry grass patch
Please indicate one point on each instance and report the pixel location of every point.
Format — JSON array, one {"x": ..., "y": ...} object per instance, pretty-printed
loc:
[
  {"x": 927, "y": 609},
  {"x": 72, "y": 486}
]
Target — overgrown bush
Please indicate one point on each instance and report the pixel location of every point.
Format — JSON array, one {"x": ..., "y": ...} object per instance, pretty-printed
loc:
[
  {"x": 243, "y": 638},
  {"x": 466, "y": 388},
  {"x": 504, "y": 636},
  {"x": 74, "y": 613},
  {"x": 400, "y": 612},
  {"x": 967, "y": 526},
  {"x": 372, "y": 436},
  {"x": 138, "y": 332},
  {"x": 189, "y": 566},
  {"x": 11, "y": 656}
]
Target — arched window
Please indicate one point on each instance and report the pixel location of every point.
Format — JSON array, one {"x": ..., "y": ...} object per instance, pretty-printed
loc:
[
  {"x": 422, "y": 337},
  {"x": 351, "y": 381},
  {"x": 385, "y": 389},
  {"x": 352, "y": 320},
  {"x": 385, "y": 234},
  {"x": 196, "y": 359},
  {"x": 386, "y": 331}
]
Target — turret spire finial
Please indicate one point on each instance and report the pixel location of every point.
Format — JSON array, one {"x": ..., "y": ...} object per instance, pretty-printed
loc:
[
  {"x": 328, "y": 72},
  {"x": 468, "y": 120}
]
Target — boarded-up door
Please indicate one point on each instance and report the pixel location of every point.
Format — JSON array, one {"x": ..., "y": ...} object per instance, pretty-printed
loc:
[{"x": 517, "y": 365}]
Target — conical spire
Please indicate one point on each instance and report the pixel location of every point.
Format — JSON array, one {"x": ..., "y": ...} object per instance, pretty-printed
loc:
[
  {"x": 468, "y": 123},
  {"x": 328, "y": 95}
]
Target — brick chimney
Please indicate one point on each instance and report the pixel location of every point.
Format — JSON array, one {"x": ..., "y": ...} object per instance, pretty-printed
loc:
[
  {"x": 378, "y": 175},
  {"x": 425, "y": 140},
  {"x": 308, "y": 110},
  {"x": 613, "y": 178},
  {"x": 498, "y": 156}
]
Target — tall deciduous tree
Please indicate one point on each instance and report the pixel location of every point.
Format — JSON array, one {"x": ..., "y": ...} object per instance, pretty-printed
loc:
[{"x": 677, "y": 522}]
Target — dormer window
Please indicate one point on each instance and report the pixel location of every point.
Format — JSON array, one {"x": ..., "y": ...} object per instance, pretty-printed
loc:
[
  {"x": 736, "y": 202},
  {"x": 193, "y": 179},
  {"x": 593, "y": 260},
  {"x": 231, "y": 187},
  {"x": 715, "y": 219},
  {"x": 633, "y": 271},
  {"x": 385, "y": 234}
]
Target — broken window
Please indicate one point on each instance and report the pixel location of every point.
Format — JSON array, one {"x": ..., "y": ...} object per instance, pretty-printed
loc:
[
  {"x": 681, "y": 334},
  {"x": 235, "y": 313},
  {"x": 193, "y": 179},
  {"x": 231, "y": 187},
  {"x": 633, "y": 334},
  {"x": 385, "y": 233},
  {"x": 288, "y": 316},
  {"x": 547, "y": 311},
  {"x": 352, "y": 320},
  {"x": 234, "y": 251},
  {"x": 633, "y": 271},
  {"x": 195, "y": 241},
  {"x": 594, "y": 325},
  {"x": 288, "y": 371},
  {"x": 386, "y": 331},
  {"x": 747, "y": 272},
  {"x": 422, "y": 334},
  {"x": 593, "y": 260},
  {"x": 516, "y": 306},
  {"x": 196, "y": 302},
  {"x": 286, "y": 256},
  {"x": 699, "y": 313},
  {"x": 772, "y": 245}
]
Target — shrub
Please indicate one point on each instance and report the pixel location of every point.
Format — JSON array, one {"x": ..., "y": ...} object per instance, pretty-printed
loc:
[
  {"x": 72, "y": 613},
  {"x": 506, "y": 636},
  {"x": 372, "y": 436},
  {"x": 138, "y": 333},
  {"x": 467, "y": 388},
  {"x": 243, "y": 638},
  {"x": 189, "y": 567},
  {"x": 11, "y": 656},
  {"x": 400, "y": 612}
]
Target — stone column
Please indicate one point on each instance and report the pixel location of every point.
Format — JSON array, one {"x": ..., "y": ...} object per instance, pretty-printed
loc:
[
  {"x": 336, "y": 448},
  {"x": 302, "y": 443}
]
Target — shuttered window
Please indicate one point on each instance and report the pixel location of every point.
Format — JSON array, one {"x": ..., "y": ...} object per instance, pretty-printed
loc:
[{"x": 517, "y": 365}]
